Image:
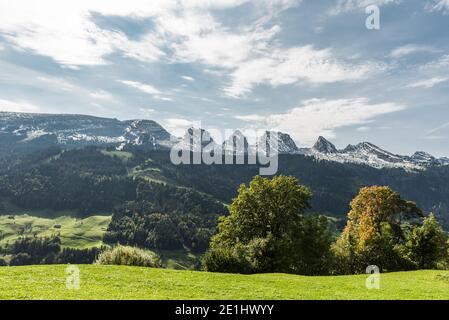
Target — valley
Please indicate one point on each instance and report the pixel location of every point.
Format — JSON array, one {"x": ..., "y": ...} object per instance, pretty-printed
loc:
[{"x": 92, "y": 193}]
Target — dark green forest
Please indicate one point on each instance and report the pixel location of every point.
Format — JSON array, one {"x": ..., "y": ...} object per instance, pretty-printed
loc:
[{"x": 158, "y": 205}]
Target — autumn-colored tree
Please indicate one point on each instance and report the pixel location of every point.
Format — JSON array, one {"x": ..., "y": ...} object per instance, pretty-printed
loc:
[{"x": 373, "y": 231}]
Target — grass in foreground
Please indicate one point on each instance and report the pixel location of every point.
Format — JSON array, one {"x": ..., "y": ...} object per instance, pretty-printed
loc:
[
  {"x": 178, "y": 259},
  {"x": 75, "y": 233},
  {"x": 120, "y": 282}
]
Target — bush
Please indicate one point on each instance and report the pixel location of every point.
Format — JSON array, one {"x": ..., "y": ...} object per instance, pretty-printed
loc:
[
  {"x": 226, "y": 260},
  {"x": 129, "y": 256},
  {"x": 3, "y": 262}
]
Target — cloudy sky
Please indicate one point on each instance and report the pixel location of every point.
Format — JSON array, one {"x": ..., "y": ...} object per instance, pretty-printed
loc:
[{"x": 307, "y": 67}]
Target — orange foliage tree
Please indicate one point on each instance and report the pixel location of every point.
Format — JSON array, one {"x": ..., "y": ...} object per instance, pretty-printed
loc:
[{"x": 373, "y": 233}]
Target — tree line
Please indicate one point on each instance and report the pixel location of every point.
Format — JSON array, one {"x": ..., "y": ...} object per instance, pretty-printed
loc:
[
  {"x": 267, "y": 231},
  {"x": 45, "y": 250}
]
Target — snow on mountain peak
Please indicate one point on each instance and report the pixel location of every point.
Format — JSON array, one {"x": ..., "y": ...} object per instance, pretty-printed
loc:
[
  {"x": 21, "y": 130},
  {"x": 285, "y": 143},
  {"x": 324, "y": 146},
  {"x": 236, "y": 143},
  {"x": 196, "y": 139}
]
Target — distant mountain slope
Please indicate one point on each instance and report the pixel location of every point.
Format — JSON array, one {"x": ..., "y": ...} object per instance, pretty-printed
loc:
[
  {"x": 369, "y": 154},
  {"x": 37, "y": 131},
  {"x": 26, "y": 131}
]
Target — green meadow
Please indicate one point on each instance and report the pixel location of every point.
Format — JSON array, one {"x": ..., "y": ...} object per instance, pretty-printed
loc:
[
  {"x": 75, "y": 233},
  {"x": 122, "y": 282}
]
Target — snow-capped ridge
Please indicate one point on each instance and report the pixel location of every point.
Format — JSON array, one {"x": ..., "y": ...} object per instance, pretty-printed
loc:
[
  {"x": 25, "y": 130},
  {"x": 370, "y": 154},
  {"x": 71, "y": 131}
]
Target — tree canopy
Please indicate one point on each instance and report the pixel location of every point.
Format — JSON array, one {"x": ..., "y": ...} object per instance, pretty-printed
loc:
[{"x": 266, "y": 230}]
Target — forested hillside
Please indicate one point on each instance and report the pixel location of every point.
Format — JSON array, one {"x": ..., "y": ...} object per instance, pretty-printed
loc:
[{"x": 159, "y": 205}]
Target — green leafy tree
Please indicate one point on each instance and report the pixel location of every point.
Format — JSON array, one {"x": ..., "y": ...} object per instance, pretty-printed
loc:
[
  {"x": 426, "y": 246},
  {"x": 265, "y": 231},
  {"x": 314, "y": 240}
]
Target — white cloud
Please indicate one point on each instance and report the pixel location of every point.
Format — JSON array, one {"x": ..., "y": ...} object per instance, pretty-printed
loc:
[
  {"x": 17, "y": 106},
  {"x": 55, "y": 83},
  {"x": 438, "y": 65},
  {"x": 184, "y": 31},
  {"x": 178, "y": 126},
  {"x": 66, "y": 32},
  {"x": 322, "y": 117},
  {"x": 428, "y": 83},
  {"x": 433, "y": 73},
  {"x": 434, "y": 130},
  {"x": 147, "y": 112},
  {"x": 218, "y": 48},
  {"x": 294, "y": 65},
  {"x": 159, "y": 97},
  {"x": 251, "y": 117},
  {"x": 147, "y": 88},
  {"x": 438, "y": 5},
  {"x": 349, "y": 5},
  {"x": 399, "y": 52},
  {"x": 188, "y": 78},
  {"x": 363, "y": 129},
  {"x": 101, "y": 95}
]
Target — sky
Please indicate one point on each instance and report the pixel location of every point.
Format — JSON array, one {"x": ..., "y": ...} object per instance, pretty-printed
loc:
[{"x": 304, "y": 67}]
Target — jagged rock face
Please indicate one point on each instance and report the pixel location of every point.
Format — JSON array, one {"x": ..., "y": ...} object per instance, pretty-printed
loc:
[
  {"x": 324, "y": 146},
  {"x": 427, "y": 159},
  {"x": 236, "y": 144},
  {"x": 197, "y": 140},
  {"x": 370, "y": 154},
  {"x": 443, "y": 161},
  {"x": 423, "y": 157},
  {"x": 152, "y": 128},
  {"x": 284, "y": 143},
  {"x": 146, "y": 133},
  {"x": 25, "y": 131},
  {"x": 369, "y": 149}
]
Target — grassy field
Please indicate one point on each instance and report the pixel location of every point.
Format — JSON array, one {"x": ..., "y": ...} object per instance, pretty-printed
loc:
[
  {"x": 119, "y": 282},
  {"x": 178, "y": 259},
  {"x": 76, "y": 233}
]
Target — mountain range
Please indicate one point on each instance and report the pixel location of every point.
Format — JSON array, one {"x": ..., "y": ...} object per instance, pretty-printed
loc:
[{"x": 25, "y": 131}]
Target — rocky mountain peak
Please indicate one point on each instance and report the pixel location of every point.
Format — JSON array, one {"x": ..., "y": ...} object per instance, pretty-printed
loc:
[
  {"x": 236, "y": 143},
  {"x": 324, "y": 146},
  {"x": 284, "y": 141},
  {"x": 422, "y": 156}
]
